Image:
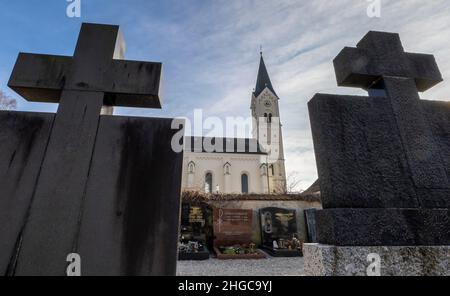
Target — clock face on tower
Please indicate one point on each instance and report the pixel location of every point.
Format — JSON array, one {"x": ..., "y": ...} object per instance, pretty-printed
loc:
[{"x": 267, "y": 103}]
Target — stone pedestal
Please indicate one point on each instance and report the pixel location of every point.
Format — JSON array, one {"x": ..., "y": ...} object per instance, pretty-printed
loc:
[
  {"x": 383, "y": 227},
  {"x": 325, "y": 260}
]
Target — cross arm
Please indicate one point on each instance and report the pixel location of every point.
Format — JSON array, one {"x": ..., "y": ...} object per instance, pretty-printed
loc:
[
  {"x": 428, "y": 74},
  {"x": 355, "y": 67},
  {"x": 134, "y": 84},
  {"x": 39, "y": 77},
  {"x": 125, "y": 83},
  {"x": 351, "y": 68}
]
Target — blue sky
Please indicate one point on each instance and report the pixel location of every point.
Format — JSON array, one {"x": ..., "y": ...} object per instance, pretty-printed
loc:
[{"x": 210, "y": 50}]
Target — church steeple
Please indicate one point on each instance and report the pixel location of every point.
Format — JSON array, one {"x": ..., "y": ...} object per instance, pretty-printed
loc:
[
  {"x": 267, "y": 130},
  {"x": 263, "y": 79}
]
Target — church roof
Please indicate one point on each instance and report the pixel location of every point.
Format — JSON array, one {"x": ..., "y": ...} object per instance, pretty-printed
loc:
[
  {"x": 229, "y": 145},
  {"x": 263, "y": 79},
  {"x": 314, "y": 189}
]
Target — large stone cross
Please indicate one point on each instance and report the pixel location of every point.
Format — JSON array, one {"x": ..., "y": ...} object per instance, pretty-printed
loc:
[
  {"x": 383, "y": 160},
  {"x": 379, "y": 62},
  {"x": 82, "y": 85}
]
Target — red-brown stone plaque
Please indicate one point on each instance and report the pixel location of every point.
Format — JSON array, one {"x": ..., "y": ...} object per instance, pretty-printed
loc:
[{"x": 233, "y": 227}]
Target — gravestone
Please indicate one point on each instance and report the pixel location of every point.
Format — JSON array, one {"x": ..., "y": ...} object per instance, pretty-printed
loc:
[
  {"x": 233, "y": 234},
  {"x": 196, "y": 222},
  {"x": 311, "y": 225},
  {"x": 279, "y": 232},
  {"x": 383, "y": 162},
  {"x": 105, "y": 187}
]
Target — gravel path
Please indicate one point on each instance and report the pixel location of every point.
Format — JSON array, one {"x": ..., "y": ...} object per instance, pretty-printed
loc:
[{"x": 264, "y": 267}]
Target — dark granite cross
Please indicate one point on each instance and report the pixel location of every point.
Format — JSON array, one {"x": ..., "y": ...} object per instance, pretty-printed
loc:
[
  {"x": 82, "y": 85},
  {"x": 379, "y": 62},
  {"x": 383, "y": 160}
]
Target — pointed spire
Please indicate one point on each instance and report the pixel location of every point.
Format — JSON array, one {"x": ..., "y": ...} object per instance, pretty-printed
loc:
[{"x": 263, "y": 79}]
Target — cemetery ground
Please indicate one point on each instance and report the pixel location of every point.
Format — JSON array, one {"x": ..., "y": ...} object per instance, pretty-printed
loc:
[{"x": 271, "y": 266}]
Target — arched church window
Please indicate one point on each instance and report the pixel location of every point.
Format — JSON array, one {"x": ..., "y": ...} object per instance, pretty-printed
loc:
[
  {"x": 263, "y": 170},
  {"x": 270, "y": 118},
  {"x": 208, "y": 182},
  {"x": 244, "y": 183},
  {"x": 191, "y": 167},
  {"x": 227, "y": 168},
  {"x": 272, "y": 170}
]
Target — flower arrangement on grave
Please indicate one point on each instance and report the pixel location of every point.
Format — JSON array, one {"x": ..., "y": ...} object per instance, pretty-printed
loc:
[
  {"x": 239, "y": 249},
  {"x": 286, "y": 244},
  {"x": 189, "y": 246}
]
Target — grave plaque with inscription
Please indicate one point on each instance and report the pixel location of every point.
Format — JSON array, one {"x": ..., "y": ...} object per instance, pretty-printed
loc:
[
  {"x": 195, "y": 231},
  {"x": 279, "y": 232},
  {"x": 233, "y": 234}
]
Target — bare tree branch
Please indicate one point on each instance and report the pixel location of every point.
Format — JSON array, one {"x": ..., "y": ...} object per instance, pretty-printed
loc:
[{"x": 292, "y": 182}]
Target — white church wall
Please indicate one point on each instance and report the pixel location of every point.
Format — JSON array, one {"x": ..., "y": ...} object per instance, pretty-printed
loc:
[{"x": 215, "y": 164}]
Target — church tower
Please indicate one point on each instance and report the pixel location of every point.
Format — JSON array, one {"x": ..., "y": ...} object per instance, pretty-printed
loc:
[{"x": 267, "y": 129}]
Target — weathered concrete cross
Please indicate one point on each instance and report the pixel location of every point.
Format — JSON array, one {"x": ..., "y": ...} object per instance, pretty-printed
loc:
[
  {"x": 82, "y": 85},
  {"x": 379, "y": 62}
]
